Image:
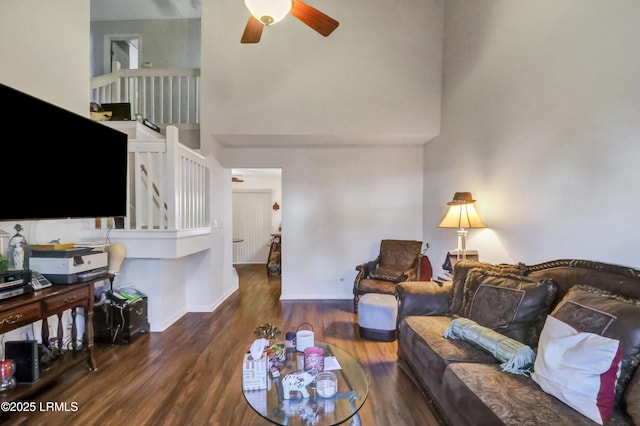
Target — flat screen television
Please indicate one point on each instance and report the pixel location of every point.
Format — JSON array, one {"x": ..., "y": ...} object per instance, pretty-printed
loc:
[{"x": 56, "y": 164}]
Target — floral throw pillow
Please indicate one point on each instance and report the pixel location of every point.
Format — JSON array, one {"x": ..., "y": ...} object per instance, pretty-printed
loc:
[{"x": 589, "y": 309}]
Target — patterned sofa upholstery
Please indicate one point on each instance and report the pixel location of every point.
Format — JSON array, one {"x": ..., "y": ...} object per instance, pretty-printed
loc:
[{"x": 464, "y": 383}]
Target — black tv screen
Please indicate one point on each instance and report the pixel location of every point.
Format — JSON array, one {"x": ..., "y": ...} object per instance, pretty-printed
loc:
[{"x": 57, "y": 164}]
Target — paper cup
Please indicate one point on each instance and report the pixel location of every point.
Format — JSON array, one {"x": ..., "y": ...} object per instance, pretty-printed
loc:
[{"x": 304, "y": 338}]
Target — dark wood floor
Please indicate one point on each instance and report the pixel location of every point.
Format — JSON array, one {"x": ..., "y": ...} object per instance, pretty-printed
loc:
[{"x": 191, "y": 373}]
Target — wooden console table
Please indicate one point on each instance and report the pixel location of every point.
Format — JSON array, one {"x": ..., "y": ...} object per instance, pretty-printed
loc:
[{"x": 40, "y": 305}]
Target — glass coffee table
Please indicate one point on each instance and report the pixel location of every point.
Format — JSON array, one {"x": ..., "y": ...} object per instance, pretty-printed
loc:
[{"x": 353, "y": 387}]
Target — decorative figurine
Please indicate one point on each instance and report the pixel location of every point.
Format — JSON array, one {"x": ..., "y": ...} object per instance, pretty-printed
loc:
[
  {"x": 16, "y": 244},
  {"x": 297, "y": 381}
]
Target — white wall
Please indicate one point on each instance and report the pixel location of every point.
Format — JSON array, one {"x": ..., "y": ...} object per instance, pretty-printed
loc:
[
  {"x": 540, "y": 122},
  {"x": 337, "y": 204},
  {"x": 377, "y": 74},
  {"x": 36, "y": 40},
  {"x": 166, "y": 43}
]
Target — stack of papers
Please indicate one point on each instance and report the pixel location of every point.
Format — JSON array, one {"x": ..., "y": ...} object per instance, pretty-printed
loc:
[
  {"x": 331, "y": 363},
  {"x": 91, "y": 244}
]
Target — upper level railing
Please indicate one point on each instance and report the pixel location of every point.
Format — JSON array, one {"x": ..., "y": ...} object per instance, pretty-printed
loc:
[{"x": 169, "y": 96}]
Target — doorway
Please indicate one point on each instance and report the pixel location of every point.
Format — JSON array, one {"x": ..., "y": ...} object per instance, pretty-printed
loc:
[
  {"x": 256, "y": 214},
  {"x": 251, "y": 226},
  {"x": 121, "y": 51}
]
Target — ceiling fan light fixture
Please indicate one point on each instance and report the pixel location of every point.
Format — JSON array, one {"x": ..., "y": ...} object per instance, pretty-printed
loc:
[{"x": 269, "y": 11}]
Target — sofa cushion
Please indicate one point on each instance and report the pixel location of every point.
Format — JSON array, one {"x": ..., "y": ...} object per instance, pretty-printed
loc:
[
  {"x": 597, "y": 311},
  {"x": 516, "y": 357},
  {"x": 482, "y": 391},
  {"x": 512, "y": 305},
  {"x": 580, "y": 369},
  {"x": 460, "y": 275},
  {"x": 377, "y": 286},
  {"x": 420, "y": 339}
]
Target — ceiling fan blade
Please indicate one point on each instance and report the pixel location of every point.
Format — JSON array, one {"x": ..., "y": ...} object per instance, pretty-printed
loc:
[
  {"x": 252, "y": 31},
  {"x": 311, "y": 16}
]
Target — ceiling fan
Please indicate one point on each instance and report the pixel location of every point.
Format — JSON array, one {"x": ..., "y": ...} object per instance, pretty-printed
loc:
[{"x": 267, "y": 12}]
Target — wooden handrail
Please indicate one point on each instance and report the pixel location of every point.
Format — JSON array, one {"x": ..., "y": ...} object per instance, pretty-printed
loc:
[{"x": 153, "y": 184}]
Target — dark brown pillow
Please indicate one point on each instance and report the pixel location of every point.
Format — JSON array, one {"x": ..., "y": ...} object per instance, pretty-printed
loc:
[
  {"x": 387, "y": 274},
  {"x": 512, "y": 305},
  {"x": 592, "y": 310},
  {"x": 460, "y": 272}
]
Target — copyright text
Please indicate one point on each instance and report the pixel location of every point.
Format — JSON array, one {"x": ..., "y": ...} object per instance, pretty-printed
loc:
[{"x": 42, "y": 406}]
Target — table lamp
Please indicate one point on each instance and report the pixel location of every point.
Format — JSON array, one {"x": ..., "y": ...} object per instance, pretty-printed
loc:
[
  {"x": 461, "y": 215},
  {"x": 116, "y": 252}
]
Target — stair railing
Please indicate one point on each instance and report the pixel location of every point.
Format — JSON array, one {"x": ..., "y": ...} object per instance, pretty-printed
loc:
[
  {"x": 168, "y": 96},
  {"x": 168, "y": 185}
]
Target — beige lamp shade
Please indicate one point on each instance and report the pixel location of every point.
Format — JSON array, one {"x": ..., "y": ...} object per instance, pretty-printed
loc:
[
  {"x": 117, "y": 253},
  {"x": 462, "y": 216}
]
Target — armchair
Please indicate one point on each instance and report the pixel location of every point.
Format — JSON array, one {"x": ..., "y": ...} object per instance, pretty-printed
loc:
[{"x": 398, "y": 261}]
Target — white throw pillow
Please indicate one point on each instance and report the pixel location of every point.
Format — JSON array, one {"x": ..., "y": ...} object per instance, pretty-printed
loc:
[{"x": 580, "y": 369}]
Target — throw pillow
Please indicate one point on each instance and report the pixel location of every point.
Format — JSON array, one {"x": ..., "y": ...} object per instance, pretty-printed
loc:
[
  {"x": 597, "y": 311},
  {"x": 578, "y": 368},
  {"x": 387, "y": 274},
  {"x": 460, "y": 272},
  {"x": 516, "y": 357},
  {"x": 513, "y": 305}
]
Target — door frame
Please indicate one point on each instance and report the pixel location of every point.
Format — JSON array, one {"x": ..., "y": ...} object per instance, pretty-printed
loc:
[{"x": 110, "y": 38}]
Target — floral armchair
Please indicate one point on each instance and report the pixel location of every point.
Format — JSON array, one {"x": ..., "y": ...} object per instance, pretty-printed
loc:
[{"x": 398, "y": 261}]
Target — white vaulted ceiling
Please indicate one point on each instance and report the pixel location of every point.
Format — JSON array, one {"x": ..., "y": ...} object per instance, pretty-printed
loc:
[
  {"x": 131, "y": 10},
  {"x": 376, "y": 80}
]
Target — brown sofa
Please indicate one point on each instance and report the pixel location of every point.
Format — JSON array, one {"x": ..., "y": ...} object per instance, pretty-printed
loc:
[{"x": 465, "y": 384}]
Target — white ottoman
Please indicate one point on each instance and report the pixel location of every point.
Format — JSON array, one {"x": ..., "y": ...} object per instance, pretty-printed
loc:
[{"x": 377, "y": 315}]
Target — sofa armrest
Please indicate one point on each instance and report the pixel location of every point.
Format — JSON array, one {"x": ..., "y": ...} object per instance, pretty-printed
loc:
[{"x": 423, "y": 298}]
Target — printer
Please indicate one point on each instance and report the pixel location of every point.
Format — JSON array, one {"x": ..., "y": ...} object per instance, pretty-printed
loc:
[{"x": 71, "y": 265}]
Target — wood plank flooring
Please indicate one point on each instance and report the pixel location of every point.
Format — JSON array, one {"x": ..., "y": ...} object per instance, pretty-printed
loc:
[{"x": 191, "y": 373}]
